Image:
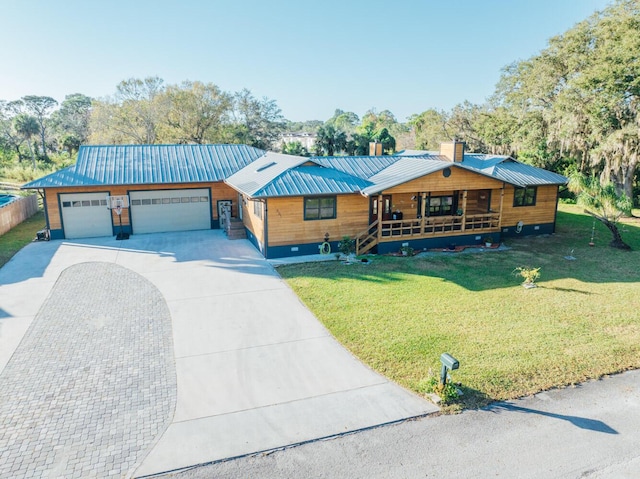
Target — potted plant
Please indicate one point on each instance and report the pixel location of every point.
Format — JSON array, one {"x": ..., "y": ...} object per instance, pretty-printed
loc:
[
  {"x": 529, "y": 275},
  {"x": 488, "y": 241}
]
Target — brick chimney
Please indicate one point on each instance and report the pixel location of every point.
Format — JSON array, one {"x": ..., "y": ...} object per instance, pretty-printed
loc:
[
  {"x": 375, "y": 148},
  {"x": 453, "y": 150}
]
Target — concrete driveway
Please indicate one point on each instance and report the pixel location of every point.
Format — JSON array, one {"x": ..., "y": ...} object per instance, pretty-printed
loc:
[{"x": 254, "y": 368}]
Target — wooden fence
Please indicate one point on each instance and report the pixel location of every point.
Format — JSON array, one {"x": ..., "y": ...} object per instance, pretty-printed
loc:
[{"x": 17, "y": 211}]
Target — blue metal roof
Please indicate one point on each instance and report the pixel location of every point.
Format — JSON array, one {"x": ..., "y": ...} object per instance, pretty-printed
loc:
[
  {"x": 149, "y": 164},
  {"x": 510, "y": 171},
  {"x": 361, "y": 166},
  {"x": 312, "y": 180},
  {"x": 258, "y": 173},
  {"x": 405, "y": 169}
]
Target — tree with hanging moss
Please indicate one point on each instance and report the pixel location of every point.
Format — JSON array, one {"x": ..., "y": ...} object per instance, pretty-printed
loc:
[{"x": 603, "y": 202}]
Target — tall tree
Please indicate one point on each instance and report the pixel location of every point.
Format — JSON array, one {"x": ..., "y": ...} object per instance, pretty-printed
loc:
[
  {"x": 71, "y": 121},
  {"x": 346, "y": 121},
  {"x": 132, "y": 115},
  {"x": 429, "y": 127},
  {"x": 256, "y": 122},
  {"x": 10, "y": 139},
  {"x": 580, "y": 97},
  {"x": 40, "y": 107},
  {"x": 195, "y": 113},
  {"x": 28, "y": 127},
  {"x": 330, "y": 141}
]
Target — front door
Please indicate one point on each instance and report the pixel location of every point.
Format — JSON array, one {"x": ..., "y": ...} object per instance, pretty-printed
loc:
[
  {"x": 376, "y": 209},
  {"x": 223, "y": 206}
]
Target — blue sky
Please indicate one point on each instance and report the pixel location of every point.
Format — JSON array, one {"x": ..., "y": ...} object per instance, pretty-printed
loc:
[{"x": 311, "y": 57}]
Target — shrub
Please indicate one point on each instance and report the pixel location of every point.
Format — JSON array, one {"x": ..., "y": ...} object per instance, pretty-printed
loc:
[{"x": 528, "y": 274}]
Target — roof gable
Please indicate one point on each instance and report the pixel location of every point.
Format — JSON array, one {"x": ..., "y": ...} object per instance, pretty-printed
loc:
[{"x": 255, "y": 176}]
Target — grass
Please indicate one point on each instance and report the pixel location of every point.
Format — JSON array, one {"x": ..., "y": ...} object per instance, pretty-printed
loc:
[
  {"x": 399, "y": 314},
  {"x": 14, "y": 240}
]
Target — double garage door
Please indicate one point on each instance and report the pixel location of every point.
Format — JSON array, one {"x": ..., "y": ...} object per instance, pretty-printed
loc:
[
  {"x": 85, "y": 215},
  {"x": 170, "y": 210}
]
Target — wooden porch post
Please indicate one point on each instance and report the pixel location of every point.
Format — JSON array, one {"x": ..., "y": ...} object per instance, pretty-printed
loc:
[
  {"x": 380, "y": 211},
  {"x": 424, "y": 212},
  {"x": 464, "y": 209},
  {"x": 501, "y": 203}
]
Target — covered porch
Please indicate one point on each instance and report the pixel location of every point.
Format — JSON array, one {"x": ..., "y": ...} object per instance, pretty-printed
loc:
[{"x": 423, "y": 215}]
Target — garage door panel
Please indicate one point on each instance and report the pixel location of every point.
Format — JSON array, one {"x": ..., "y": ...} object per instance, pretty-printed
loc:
[
  {"x": 170, "y": 210},
  {"x": 85, "y": 215}
]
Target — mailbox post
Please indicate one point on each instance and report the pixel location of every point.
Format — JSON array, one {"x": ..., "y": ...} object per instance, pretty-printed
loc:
[{"x": 448, "y": 363}]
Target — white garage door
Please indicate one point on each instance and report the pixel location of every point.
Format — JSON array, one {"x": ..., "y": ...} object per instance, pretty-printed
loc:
[
  {"x": 85, "y": 215},
  {"x": 170, "y": 210}
]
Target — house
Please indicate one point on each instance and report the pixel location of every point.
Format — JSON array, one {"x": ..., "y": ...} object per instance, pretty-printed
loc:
[
  {"x": 290, "y": 205},
  {"x": 169, "y": 188},
  {"x": 307, "y": 140}
]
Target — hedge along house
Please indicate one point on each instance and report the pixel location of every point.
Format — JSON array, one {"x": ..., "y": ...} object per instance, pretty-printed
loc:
[
  {"x": 290, "y": 205},
  {"x": 170, "y": 188}
]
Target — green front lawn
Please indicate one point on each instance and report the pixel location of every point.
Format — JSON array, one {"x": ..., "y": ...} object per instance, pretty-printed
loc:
[
  {"x": 14, "y": 240},
  {"x": 399, "y": 314}
]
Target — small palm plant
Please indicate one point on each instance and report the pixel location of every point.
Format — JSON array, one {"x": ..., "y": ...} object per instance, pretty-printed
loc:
[{"x": 528, "y": 274}]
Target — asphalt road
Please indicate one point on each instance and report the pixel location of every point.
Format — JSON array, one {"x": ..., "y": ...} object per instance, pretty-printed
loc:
[{"x": 589, "y": 431}]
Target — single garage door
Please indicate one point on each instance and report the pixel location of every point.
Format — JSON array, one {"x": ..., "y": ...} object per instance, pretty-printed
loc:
[
  {"x": 85, "y": 215},
  {"x": 170, "y": 210}
]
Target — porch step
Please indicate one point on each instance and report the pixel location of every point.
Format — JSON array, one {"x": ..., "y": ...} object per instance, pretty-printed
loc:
[{"x": 235, "y": 230}]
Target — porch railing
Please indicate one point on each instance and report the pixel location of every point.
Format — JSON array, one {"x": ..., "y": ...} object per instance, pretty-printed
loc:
[{"x": 434, "y": 226}]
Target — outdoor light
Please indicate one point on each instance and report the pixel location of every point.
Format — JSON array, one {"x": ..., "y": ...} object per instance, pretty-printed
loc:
[{"x": 448, "y": 363}]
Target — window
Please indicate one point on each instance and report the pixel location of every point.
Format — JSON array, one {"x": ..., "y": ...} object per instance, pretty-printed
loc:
[
  {"x": 257, "y": 208},
  {"x": 440, "y": 205},
  {"x": 524, "y": 196},
  {"x": 321, "y": 208}
]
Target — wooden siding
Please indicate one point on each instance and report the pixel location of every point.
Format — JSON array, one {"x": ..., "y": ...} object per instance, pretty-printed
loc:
[
  {"x": 219, "y": 191},
  {"x": 458, "y": 180},
  {"x": 543, "y": 212},
  {"x": 287, "y": 225},
  {"x": 252, "y": 222}
]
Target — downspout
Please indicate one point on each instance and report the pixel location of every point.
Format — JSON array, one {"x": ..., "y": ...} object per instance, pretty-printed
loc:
[
  {"x": 266, "y": 229},
  {"x": 555, "y": 214}
]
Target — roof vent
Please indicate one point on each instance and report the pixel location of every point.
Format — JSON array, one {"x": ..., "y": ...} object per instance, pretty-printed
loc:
[{"x": 264, "y": 167}]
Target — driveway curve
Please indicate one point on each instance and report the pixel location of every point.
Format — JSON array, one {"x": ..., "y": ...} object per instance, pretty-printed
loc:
[
  {"x": 255, "y": 370},
  {"x": 93, "y": 383}
]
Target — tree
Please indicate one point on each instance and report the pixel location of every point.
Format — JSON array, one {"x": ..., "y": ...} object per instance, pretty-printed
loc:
[
  {"x": 256, "y": 122},
  {"x": 294, "y": 148},
  {"x": 330, "y": 141},
  {"x": 132, "y": 115},
  {"x": 374, "y": 127},
  {"x": 70, "y": 122},
  {"x": 429, "y": 127},
  {"x": 10, "y": 139},
  {"x": 462, "y": 124},
  {"x": 579, "y": 99},
  {"x": 40, "y": 107},
  {"x": 346, "y": 121},
  {"x": 603, "y": 202},
  {"x": 195, "y": 113},
  {"x": 28, "y": 127}
]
